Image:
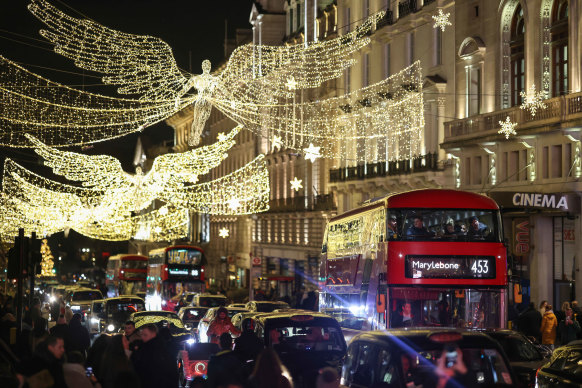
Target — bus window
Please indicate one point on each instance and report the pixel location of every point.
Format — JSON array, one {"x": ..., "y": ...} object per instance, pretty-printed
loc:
[
  {"x": 443, "y": 225},
  {"x": 444, "y": 308}
]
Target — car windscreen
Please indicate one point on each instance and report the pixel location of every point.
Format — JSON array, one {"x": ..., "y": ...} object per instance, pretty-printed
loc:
[
  {"x": 518, "y": 349},
  {"x": 87, "y": 295},
  {"x": 305, "y": 336},
  {"x": 233, "y": 311},
  {"x": 193, "y": 314},
  {"x": 189, "y": 298},
  {"x": 270, "y": 307},
  {"x": 129, "y": 306},
  {"x": 466, "y": 367},
  {"x": 210, "y": 301}
]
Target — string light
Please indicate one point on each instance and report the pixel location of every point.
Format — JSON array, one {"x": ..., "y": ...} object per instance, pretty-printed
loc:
[
  {"x": 144, "y": 66},
  {"x": 296, "y": 184},
  {"x": 441, "y": 20},
  {"x": 381, "y": 122},
  {"x": 532, "y": 100},
  {"x": 104, "y": 173},
  {"x": 507, "y": 128},
  {"x": 41, "y": 205},
  {"x": 224, "y": 233}
]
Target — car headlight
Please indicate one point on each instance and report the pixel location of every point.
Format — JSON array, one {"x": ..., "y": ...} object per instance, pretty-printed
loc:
[
  {"x": 190, "y": 341},
  {"x": 188, "y": 326},
  {"x": 52, "y": 298},
  {"x": 110, "y": 327}
]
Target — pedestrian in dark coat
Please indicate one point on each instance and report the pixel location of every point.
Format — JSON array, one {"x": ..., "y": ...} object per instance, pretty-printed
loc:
[
  {"x": 79, "y": 339},
  {"x": 530, "y": 321},
  {"x": 45, "y": 365},
  {"x": 115, "y": 362},
  {"x": 152, "y": 362},
  {"x": 224, "y": 368},
  {"x": 568, "y": 329}
]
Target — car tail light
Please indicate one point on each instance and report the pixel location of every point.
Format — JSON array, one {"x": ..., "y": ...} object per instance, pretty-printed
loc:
[{"x": 198, "y": 367}]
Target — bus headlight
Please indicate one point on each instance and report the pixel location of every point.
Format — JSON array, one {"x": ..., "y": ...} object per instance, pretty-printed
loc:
[{"x": 110, "y": 327}]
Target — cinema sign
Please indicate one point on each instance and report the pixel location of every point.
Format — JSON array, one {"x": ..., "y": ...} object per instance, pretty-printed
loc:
[{"x": 551, "y": 201}]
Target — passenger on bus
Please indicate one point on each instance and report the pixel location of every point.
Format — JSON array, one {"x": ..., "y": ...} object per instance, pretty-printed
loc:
[
  {"x": 392, "y": 227},
  {"x": 476, "y": 228},
  {"x": 404, "y": 317},
  {"x": 417, "y": 229}
]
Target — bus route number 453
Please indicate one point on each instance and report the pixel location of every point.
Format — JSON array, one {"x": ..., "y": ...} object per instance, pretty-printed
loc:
[{"x": 480, "y": 267}]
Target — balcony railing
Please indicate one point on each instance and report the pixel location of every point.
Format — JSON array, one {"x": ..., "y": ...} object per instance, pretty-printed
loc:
[
  {"x": 428, "y": 162},
  {"x": 386, "y": 20},
  {"x": 303, "y": 203},
  {"x": 406, "y": 7},
  {"x": 558, "y": 110}
]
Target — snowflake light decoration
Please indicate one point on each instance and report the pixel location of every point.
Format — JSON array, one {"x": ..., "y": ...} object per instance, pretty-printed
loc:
[
  {"x": 441, "y": 20},
  {"x": 224, "y": 233},
  {"x": 312, "y": 153},
  {"x": 234, "y": 203},
  {"x": 221, "y": 136},
  {"x": 277, "y": 141},
  {"x": 532, "y": 101},
  {"x": 291, "y": 83},
  {"x": 507, "y": 128},
  {"x": 296, "y": 184}
]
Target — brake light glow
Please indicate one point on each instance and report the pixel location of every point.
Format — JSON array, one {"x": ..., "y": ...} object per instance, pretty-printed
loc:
[
  {"x": 301, "y": 318},
  {"x": 445, "y": 337}
]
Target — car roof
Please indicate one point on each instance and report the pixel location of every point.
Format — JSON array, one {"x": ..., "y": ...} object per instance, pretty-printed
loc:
[
  {"x": 123, "y": 297},
  {"x": 290, "y": 314},
  {"x": 419, "y": 337},
  {"x": 212, "y": 295}
]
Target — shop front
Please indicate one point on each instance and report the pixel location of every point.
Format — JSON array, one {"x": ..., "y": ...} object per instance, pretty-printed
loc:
[{"x": 542, "y": 230}]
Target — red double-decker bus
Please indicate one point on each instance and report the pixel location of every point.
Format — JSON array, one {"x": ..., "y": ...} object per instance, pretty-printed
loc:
[
  {"x": 126, "y": 275},
  {"x": 172, "y": 271},
  {"x": 420, "y": 258}
]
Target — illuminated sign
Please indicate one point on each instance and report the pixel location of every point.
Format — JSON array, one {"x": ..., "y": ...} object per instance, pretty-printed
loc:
[
  {"x": 183, "y": 272},
  {"x": 449, "y": 267},
  {"x": 540, "y": 200}
]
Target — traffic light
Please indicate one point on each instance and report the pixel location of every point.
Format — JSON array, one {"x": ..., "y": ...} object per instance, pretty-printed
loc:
[
  {"x": 35, "y": 257},
  {"x": 14, "y": 258}
]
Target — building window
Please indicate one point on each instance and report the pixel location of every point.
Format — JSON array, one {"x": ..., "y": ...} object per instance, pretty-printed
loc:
[
  {"x": 298, "y": 16},
  {"x": 366, "y": 9},
  {"x": 410, "y": 48},
  {"x": 545, "y": 161},
  {"x": 476, "y": 177},
  {"x": 473, "y": 88},
  {"x": 291, "y": 21},
  {"x": 467, "y": 172},
  {"x": 366, "y": 70},
  {"x": 559, "y": 33},
  {"x": 438, "y": 46},
  {"x": 386, "y": 60},
  {"x": 347, "y": 21},
  {"x": 517, "y": 49},
  {"x": 556, "y": 161},
  {"x": 348, "y": 80}
]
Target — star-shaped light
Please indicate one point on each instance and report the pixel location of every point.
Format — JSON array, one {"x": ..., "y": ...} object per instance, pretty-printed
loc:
[
  {"x": 221, "y": 136},
  {"x": 312, "y": 152},
  {"x": 441, "y": 20},
  {"x": 532, "y": 101},
  {"x": 234, "y": 203},
  {"x": 507, "y": 128},
  {"x": 276, "y": 143},
  {"x": 223, "y": 233},
  {"x": 296, "y": 184},
  {"x": 291, "y": 83}
]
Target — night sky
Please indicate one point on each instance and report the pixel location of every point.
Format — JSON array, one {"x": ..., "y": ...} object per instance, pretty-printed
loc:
[{"x": 193, "y": 28}]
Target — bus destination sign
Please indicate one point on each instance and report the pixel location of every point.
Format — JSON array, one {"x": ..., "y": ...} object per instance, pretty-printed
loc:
[
  {"x": 184, "y": 272},
  {"x": 449, "y": 267}
]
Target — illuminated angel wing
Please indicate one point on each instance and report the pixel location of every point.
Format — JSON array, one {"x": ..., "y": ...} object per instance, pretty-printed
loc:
[
  {"x": 252, "y": 69},
  {"x": 141, "y": 64},
  {"x": 91, "y": 170},
  {"x": 178, "y": 168}
]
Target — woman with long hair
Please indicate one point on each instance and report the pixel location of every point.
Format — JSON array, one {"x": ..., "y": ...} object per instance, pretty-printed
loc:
[{"x": 270, "y": 372}]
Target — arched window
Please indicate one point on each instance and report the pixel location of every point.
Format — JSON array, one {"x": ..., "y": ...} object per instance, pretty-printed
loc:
[
  {"x": 559, "y": 33},
  {"x": 517, "y": 46}
]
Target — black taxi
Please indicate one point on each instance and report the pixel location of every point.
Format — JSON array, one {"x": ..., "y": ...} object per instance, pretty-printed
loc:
[
  {"x": 306, "y": 341},
  {"x": 427, "y": 358}
]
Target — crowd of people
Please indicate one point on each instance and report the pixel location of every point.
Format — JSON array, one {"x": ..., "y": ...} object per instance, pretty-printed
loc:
[
  {"x": 63, "y": 356},
  {"x": 552, "y": 328}
]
